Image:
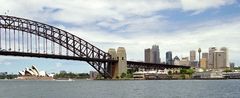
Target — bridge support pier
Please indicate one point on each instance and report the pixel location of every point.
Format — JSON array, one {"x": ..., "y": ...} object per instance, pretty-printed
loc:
[{"x": 120, "y": 67}]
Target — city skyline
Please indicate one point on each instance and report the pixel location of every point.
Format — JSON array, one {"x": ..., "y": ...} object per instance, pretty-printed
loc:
[
  {"x": 215, "y": 58},
  {"x": 175, "y": 26}
]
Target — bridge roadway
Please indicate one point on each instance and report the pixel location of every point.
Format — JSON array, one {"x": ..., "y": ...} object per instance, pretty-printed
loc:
[
  {"x": 131, "y": 64},
  {"x": 134, "y": 64},
  {"x": 53, "y": 56}
]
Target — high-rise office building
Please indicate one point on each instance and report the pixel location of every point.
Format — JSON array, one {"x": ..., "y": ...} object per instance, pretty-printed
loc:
[
  {"x": 225, "y": 50},
  {"x": 192, "y": 55},
  {"x": 193, "y": 61},
  {"x": 205, "y": 57},
  {"x": 147, "y": 55},
  {"x": 211, "y": 57},
  {"x": 169, "y": 60},
  {"x": 219, "y": 59},
  {"x": 203, "y": 62},
  {"x": 155, "y": 58}
]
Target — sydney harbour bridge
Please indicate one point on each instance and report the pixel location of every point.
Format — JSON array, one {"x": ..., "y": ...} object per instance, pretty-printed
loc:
[{"x": 28, "y": 38}]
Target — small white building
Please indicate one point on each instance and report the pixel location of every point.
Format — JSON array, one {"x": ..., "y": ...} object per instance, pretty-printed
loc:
[
  {"x": 153, "y": 74},
  {"x": 208, "y": 75}
]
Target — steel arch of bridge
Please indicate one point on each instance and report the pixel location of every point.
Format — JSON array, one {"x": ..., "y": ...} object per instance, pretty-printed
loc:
[{"x": 23, "y": 37}]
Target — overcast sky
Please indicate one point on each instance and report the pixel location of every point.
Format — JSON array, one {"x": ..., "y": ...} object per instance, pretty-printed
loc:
[{"x": 175, "y": 25}]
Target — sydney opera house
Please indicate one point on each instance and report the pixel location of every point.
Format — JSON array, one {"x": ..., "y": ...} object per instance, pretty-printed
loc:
[{"x": 33, "y": 74}]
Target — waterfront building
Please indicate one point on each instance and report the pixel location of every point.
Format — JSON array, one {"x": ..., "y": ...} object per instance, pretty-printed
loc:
[
  {"x": 192, "y": 55},
  {"x": 232, "y": 75},
  {"x": 216, "y": 75},
  {"x": 147, "y": 55},
  {"x": 211, "y": 57},
  {"x": 155, "y": 58},
  {"x": 151, "y": 74},
  {"x": 208, "y": 75},
  {"x": 169, "y": 60},
  {"x": 176, "y": 60},
  {"x": 33, "y": 74},
  {"x": 33, "y": 71}
]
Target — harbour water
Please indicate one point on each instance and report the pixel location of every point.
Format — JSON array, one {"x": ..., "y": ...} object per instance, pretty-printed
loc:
[{"x": 120, "y": 89}]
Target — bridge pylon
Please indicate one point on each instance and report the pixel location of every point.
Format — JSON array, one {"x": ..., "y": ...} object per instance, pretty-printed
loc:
[{"x": 116, "y": 69}]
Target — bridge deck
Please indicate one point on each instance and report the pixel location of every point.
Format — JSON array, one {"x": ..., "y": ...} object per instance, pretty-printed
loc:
[
  {"x": 53, "y": 56},
  {"x": 131, "y": 64},
  {"x": 134, "y": 64}
]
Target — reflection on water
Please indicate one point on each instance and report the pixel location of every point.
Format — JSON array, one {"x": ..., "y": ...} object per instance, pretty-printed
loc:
[{"x": 120, "y": 89}]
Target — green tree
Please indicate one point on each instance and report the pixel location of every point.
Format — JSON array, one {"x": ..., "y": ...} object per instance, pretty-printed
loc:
[
  {"x": 129, "y": 76},
  {"x": 190, "y": 71},
  {"x": 227, "y": 70},
  {"x": 183, "y": 76},
  {"x": 183, "y": 71},
  {"x": 123, "y": 75},
  {"x": 130, "y": 73},
  {"x": 169, "y": 72}
]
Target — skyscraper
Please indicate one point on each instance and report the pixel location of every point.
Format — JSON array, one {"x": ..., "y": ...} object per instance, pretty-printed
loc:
[
  {"x": 169, "y": 60},
  {"x": 219, "y": 59},
  {"x": 155, "y": 58},
  {"x": 211, "y": 57},
  {"x": 205, "y": 57},
  {"x": 192, "y": 61},
  {"x": 225, "y": 50},
  {"x": 192, "y": 55},
  {"x": 203, "y": 62},
  {"x": 147, "y": 55}
]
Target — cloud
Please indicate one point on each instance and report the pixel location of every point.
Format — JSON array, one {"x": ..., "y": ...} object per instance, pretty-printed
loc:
[
  {"x": 80, "y": 11},
  {"x": 203, "y": 35},
  {"x": 201, "y": 5},
  {"x": 134, "y": 24}
]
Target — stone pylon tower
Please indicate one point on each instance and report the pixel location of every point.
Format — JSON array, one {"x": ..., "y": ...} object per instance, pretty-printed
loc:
[
  {"x": 121, "y": 66},
  {"x": 122, "y": 60},
  {"x": 113, "y": 67}
]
